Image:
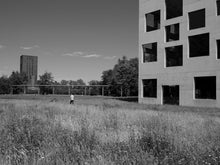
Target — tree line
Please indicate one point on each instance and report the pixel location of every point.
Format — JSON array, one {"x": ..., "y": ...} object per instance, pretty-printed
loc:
[{"x": 122, "y": 79}]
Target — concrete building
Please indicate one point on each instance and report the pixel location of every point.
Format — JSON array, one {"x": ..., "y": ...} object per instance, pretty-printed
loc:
[
  {"x": 179, "y": 52},
  {"x": 29, "y": 66}
]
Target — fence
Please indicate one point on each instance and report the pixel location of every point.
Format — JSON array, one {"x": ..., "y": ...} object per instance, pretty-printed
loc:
[{"x": 103, "y": 90}]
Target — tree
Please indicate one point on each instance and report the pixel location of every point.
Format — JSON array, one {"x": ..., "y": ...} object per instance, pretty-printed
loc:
[
  {"x": 79, "y": 90},
  {"x": 4, "y": 85},
  {"x": 70, "y": 86},
  {"x": 71, "y": 82},
  {"x": 62, "y": 89},
  {"x": 123, "y": 76},
  {"x": 95, "y": 90},
  {"x": 134, "y": 77},
  {"x": 64, "y": 82},
  {"x": 126, "y": 74},
  {"x": 46, "y": 79},
  {"x": 94, "y": 82},
  {"x": 107, "y": 77},
  {"x": 17, "y": 78},
  {"x": 80, "y": 82}
]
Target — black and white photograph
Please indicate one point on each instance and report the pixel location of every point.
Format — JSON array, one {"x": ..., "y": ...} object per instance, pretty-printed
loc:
[{"x": 109, "y": 82}]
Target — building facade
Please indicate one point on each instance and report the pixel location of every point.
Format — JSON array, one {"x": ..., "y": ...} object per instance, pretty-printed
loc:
[
  {"x": 29, "y": 66},
  {"x": 179, "y": 52}
]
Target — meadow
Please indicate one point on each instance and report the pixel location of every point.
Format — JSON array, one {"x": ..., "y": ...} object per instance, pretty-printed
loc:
[{"x": 101, "y": 131}]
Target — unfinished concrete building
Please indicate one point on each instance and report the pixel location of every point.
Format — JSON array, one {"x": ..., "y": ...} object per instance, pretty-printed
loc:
[{"x": 179, "y": 52}]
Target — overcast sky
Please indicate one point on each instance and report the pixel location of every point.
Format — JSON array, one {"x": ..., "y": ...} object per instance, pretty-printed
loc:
[{"x": 72, "y": 38}]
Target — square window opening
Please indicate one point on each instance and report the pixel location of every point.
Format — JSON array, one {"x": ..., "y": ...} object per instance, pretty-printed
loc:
[
  {"x": 171, "y": 94},
  {"x": 205, "y": 87},
  {"x": 150, "y": 52},
  {"x": 172, "y": 32},
  {"x": 174, "y": 56},
  {"x": 174, "y": 8},
  {"x": 218, "y": 6},
  {"x": 218, "y": 49},
  {"x": 199, "y": 45},
  {"x": 150, "y": 88},
  {"x": 152, "y": 21},
  {"x": 197, "y": 19}
]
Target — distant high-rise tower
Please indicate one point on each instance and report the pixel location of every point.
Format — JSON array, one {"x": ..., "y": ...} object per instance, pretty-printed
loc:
[{"x": 28, "y": 65}]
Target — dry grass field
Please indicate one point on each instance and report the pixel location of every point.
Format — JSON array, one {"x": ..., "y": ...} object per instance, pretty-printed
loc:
[{"x": 101, "y": 131}]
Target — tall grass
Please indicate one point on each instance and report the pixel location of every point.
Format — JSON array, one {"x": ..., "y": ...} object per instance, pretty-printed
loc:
[{"x": 44, "y": 133}]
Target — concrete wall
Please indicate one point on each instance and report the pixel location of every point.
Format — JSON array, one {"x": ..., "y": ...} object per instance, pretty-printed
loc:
[{"x": 192, "y": 67}]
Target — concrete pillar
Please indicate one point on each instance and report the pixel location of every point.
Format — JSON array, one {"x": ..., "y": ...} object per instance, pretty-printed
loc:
[
  {"x": 69, "y": 90},
  {"x": 11, "y": 91},
  {"x": 102, "y": 90},
  {"x": 121, "y": 91},
  {"x": 85, "y": 91},
  {"x": 24, "y": 89},
  {"x": 53, "y": 90}
]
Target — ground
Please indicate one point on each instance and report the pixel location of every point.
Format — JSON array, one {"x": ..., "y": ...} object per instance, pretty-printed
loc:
[{"x": 99, "y": 130}]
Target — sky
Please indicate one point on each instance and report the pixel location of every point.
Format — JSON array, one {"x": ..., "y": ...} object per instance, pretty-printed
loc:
[{"x": 73, "y": 39}]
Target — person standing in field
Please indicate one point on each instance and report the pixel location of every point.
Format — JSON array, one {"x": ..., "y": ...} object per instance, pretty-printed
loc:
[{"x": 71, "y": 99}]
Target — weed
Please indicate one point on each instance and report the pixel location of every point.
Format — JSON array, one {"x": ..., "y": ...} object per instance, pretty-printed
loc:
[{"x": 38, "y": 133}]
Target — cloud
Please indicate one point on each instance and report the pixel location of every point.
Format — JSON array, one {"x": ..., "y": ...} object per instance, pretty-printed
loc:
[
  {"x": 78, "y": 53},
  {"x": 82, "y": 54},
  {"x": 74, "y": 54},
  {"x": 92, "y": 56},
  {"x": 110, "y": 57},
  {"x": 67, "y": 54},
  {"x": 28, "y": 48}
]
